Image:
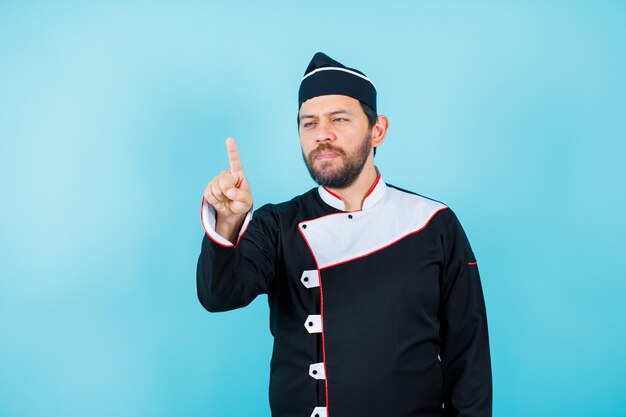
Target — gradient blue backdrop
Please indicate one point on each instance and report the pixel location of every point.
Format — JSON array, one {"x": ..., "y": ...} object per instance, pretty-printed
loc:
[{"x": 112, "y": 121}]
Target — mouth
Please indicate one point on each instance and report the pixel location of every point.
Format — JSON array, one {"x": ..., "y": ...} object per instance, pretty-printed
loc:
[
  {"x": 326, "y": 152},
  {"x": 324, "y": 156}
]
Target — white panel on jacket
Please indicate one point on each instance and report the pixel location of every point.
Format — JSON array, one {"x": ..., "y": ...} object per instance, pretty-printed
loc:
[
  {"x": 313, "y": 323},
  {"x": 208, "y": 218},
  {"x": 346, "y": 236}
]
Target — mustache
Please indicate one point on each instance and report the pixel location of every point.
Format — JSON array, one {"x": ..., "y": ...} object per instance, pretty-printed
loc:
[{"x": 325, "y": 147}]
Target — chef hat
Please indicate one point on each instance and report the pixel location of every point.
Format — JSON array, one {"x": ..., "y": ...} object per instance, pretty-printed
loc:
[{"x": 326, "y": 76}]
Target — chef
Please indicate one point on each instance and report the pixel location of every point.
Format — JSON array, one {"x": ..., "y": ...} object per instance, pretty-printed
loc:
[{"x": 376, "y": 305}]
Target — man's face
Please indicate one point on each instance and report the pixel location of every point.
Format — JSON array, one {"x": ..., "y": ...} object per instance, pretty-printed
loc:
[{"x": 336, "y": 139}]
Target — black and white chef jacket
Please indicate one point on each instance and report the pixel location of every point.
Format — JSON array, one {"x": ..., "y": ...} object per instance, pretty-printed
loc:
[{"x": 375, "y": 313}]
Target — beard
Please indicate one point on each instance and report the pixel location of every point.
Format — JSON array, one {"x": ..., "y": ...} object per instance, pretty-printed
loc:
[{"x": 343, "y": 176}]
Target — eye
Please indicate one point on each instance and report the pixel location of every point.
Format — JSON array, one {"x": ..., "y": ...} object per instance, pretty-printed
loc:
[
  {"x": 340, "y": 119},
  {"x": 307, "y": 124}
]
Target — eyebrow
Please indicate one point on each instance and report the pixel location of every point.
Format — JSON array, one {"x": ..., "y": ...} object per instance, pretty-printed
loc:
[{"x": 332, "y": 113}]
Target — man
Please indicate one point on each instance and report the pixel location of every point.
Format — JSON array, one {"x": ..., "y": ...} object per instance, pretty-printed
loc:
[{"x": 376, "y": 305}]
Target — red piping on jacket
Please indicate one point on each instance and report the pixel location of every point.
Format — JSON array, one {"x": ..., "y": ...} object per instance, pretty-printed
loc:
[
  {"x": 371, "y": 189},
  {"x": 241, "y": 233},
  {"x": 319, "y": 278},
  {"x": 333, "y": 194},
  {"x": 377, "y": 249}
]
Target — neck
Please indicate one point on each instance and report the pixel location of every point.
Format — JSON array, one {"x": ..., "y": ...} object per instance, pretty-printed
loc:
[{"x": 354, "y": 194}]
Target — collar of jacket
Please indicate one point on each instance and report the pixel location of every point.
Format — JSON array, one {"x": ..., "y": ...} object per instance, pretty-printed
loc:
[{"x": 377, "y": 191}]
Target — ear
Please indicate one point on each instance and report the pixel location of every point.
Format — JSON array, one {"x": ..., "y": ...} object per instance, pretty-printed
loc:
[{"x": 379, "y": 130}]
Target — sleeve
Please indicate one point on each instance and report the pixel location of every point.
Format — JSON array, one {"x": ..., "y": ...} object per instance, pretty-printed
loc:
[
  {"x": 230, "y": 276},
  {"x": 465, "y": 354}
]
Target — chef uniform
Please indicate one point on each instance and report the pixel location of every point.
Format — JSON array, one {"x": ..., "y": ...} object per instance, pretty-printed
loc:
[{"x": 375, "y": 313}]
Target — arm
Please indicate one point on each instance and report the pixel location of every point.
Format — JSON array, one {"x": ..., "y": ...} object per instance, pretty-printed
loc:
[
  {"x": 237, "y": 258},
  {"x": 230, "y": 275},
  {"x": 465, "y": 341}
]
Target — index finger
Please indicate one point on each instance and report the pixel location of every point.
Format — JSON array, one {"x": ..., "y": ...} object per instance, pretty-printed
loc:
[{"x": 236, "y": 169}]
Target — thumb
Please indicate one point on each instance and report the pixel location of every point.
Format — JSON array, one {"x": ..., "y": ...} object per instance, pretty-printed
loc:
[
  {"x": 239, "y": 195},
  {"x": 232, "y": 193}
]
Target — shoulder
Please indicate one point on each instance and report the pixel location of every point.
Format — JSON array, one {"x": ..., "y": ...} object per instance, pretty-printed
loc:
[
  {"x": 303, "y": 199},
  {"x": 290, "y": 207},
  {"x": 436, "y": 213},
  {"x": 411, "y": 203}
]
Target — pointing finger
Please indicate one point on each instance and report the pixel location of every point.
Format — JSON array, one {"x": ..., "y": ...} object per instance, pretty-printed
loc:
[{"x": 236, "y": 169}]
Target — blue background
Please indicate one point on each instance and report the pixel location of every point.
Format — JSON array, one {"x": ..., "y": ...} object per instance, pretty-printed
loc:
[{"x": 113, "y": 119}]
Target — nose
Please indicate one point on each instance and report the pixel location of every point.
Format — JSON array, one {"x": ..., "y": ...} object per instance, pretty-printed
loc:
[{"x": 324, "y": 132}]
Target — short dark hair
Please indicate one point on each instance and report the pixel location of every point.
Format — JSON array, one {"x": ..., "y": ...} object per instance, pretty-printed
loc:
[
  {"x": 370, "y": 113},
  {"x": 371, "y": 117}
]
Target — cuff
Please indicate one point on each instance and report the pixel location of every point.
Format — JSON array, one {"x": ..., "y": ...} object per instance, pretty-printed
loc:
[{"x": 208, "y": 218}]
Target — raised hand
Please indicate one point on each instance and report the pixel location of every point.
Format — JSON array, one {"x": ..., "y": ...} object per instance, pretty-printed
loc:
[{"x": 229, "y": 194}]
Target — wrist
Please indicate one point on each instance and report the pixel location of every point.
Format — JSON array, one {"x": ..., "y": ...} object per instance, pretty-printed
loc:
[{"x": 229, "y": 226}]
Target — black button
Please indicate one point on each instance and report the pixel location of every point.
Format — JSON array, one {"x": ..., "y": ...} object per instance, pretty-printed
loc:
[
  {"x": 306, "y": 279},
  {"x": 304, "y": 226},
  {"x": 317, "y": 415},
  {"x": 349, "y": 216},
  {"x": 310, "y": 324},
  {"x": 314, "y": 372}
]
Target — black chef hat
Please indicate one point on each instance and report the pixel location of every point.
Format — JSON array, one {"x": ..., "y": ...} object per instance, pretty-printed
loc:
[{"x": 326, "y": 76}]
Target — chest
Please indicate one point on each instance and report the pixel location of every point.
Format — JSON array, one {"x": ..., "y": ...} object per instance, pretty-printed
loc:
[{"x": 397, "y": 275}]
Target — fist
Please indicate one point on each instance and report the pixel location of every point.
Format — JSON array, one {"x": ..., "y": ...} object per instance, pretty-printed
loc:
[{"x": 229, "y": 192}]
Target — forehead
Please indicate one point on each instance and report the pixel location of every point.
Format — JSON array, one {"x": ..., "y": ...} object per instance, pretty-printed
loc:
[{"x": 329, "y": 103}]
